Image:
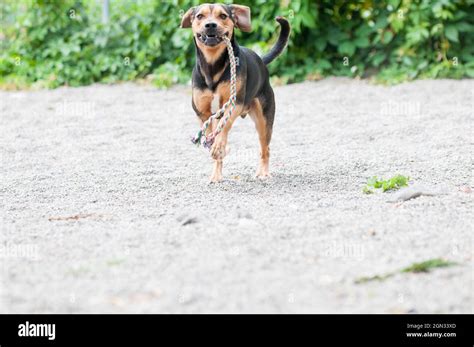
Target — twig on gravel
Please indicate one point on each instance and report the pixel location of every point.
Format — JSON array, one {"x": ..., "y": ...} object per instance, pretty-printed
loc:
[{"x": 74, "y": 217}]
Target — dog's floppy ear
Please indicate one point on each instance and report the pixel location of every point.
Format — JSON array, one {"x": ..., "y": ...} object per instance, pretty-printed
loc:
[
  {"x": 187, "y": 19},
  {"x": 241, "y": 16}
]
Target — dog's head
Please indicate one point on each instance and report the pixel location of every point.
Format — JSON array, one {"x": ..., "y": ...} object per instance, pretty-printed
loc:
[{"x": 211, "y": 22}]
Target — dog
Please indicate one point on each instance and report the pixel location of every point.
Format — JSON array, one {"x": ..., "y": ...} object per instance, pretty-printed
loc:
[{"x": 211, "y": 76}]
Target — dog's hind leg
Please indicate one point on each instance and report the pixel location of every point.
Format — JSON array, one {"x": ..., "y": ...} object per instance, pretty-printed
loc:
[{"x": 263, "y": 115}]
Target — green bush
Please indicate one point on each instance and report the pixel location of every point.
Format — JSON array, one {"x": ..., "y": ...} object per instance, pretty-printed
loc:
[{"x": 54, "y": 43}]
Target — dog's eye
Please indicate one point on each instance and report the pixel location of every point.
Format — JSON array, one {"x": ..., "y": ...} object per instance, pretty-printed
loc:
[
  {"x": 200, "y": 16},
  {"x": 223, "y": 16}
]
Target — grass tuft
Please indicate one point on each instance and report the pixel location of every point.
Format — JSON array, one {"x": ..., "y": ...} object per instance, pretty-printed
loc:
[
  {"x": 426, "y": 266},
  {"x": 422, "y": 267},
  {"x": 394, "y": 183}
]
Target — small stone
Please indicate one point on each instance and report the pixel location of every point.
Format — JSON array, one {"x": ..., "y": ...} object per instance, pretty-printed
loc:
[
  {"x": 186, "y": 220},
  {"x": 191, "y": 220},
  {"x": 413, "y": 192}
]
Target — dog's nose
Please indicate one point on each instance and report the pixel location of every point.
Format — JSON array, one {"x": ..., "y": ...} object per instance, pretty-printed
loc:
[{"x": 210, "y": 25}]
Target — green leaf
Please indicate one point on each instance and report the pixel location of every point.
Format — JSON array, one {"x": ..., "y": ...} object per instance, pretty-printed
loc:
[
  {"x": 381, "y": 23},
  {"x": 427, "y": 265},
  {"x": 324, "y": 64},
  {"x": 363, "y": 30},
  {"x": 321, "y": 44},
  {"x": 347, "y": 48},
  {"x": 362, "y": 42},
  {"x": 387, "y": 37},
  {"x": 394, "y": 3},
  {"x": 393, "y": 183},
  {"x": 464, "y": 27},
  {"x": 470, "y": 73},
  {"x": 378, "y": 59},
  {"x": 308, "y": 20},
  {"x": 452, "y": 33}
]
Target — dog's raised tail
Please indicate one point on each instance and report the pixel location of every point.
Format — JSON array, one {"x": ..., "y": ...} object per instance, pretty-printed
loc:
[{"x": 281, "y": 43}]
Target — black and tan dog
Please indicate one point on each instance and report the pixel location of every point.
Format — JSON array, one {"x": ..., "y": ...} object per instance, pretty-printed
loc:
[{"x": 211, "y": 75}]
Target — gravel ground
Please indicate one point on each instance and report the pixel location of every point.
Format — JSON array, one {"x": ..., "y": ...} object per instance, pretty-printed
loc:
[{"x": 106, "y": 205}]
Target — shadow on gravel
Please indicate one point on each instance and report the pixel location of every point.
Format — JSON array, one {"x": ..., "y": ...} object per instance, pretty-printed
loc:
[{"x": 279, "y": 183}]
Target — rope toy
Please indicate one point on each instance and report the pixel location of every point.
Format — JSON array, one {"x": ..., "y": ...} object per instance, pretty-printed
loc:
[{"x": 201, "y": 138}]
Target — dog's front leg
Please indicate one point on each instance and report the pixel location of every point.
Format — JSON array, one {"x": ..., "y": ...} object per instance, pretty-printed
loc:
[{"x": 219, "y": 148}]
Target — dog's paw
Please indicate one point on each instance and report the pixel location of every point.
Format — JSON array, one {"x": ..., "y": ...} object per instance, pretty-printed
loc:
[
  {"x": 264, "y": 177},
  {"x": 263, "y": 173},
  {"x": 215, "y": 178},
  {"x": 219, "y": 149}
]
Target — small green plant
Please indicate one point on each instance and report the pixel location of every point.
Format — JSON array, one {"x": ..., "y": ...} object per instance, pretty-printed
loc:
[
  {"x": 115, "y": 262},
  {"x": 393, "y": 183},
  {"x": 373, "y": 278},
  {"x": 426, "y": 266},
  {"x": 422, "y": 267}
]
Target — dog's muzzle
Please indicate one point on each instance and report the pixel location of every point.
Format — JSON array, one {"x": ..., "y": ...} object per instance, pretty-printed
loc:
[{"x": 211, "y": 39}]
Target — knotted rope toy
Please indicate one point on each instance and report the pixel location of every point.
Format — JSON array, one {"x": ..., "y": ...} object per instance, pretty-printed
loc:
[{"x": 207, "y": 140}]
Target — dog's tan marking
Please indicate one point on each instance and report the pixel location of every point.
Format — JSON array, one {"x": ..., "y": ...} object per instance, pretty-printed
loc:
[
  {"x": 223, "y": 90},
  {"x": 256, "y": 113},
  {"x": 203, "y": 100},
  {"x": 218, "y": 75},
  {"x": 211, "y": 54}
]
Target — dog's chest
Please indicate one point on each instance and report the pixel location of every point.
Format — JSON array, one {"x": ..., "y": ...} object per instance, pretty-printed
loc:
[{"x": 215, "y": 103}]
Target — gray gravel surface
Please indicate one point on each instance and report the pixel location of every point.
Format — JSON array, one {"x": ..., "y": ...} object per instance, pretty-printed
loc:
[{"x": 106, "y": 206}]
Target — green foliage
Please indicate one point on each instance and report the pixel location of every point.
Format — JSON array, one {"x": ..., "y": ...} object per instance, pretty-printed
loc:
[
  {"x": 383, "y": 277},
  {"x": 422, "y": 267},
  {"x": 427, "y": 265},
  {"x": 53, "y": 43},
  {"x": 393, "y": 183}
]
